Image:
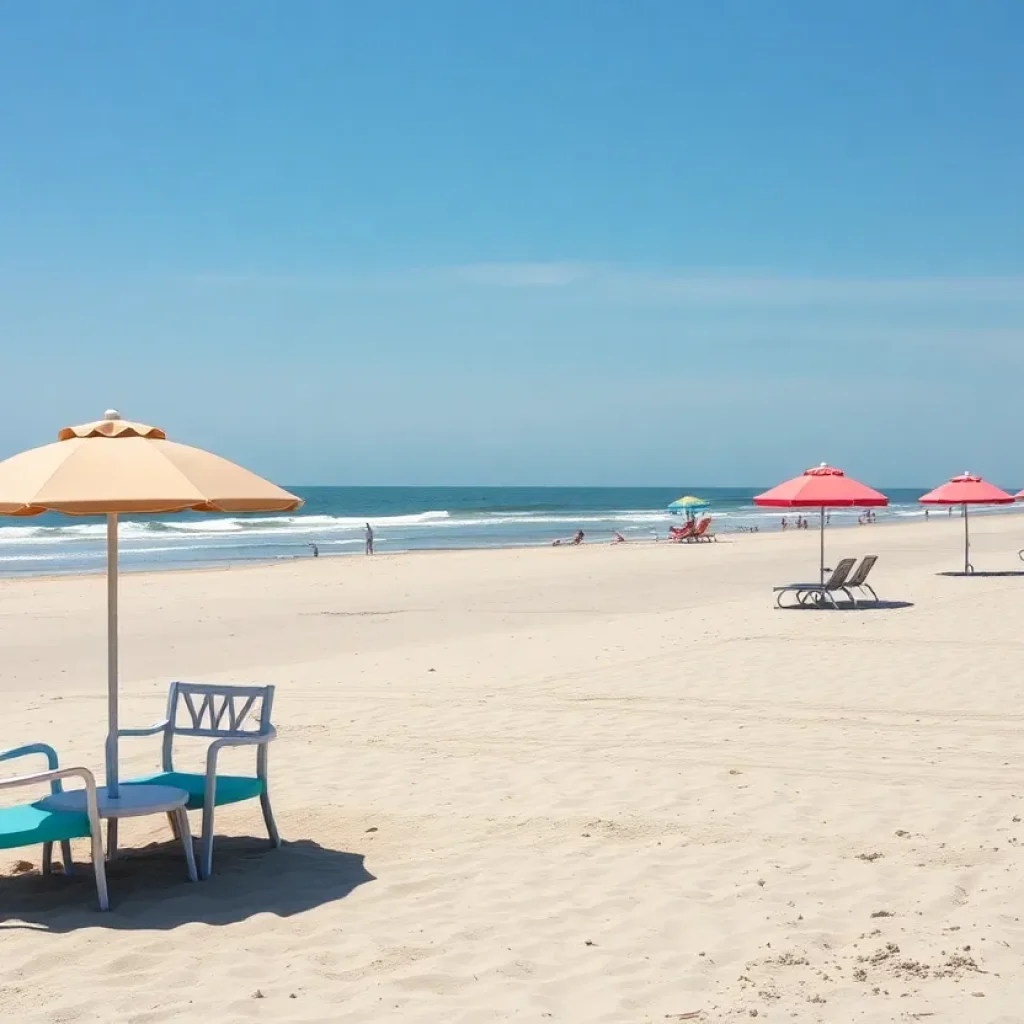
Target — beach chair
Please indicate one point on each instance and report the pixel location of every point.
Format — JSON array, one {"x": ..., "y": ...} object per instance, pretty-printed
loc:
[
  {"x": 822, "y": 593},
  {"x": 230, "y": 716},
  {"x": 701, "y": 532},
  {"x": 28, "y": 824},
  {"x": 681, "y": 533},
  {"x": 858, "y": 581}
]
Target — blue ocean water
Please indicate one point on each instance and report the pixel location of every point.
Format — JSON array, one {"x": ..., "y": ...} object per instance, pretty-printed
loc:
[{"x": 403, "y": 518}]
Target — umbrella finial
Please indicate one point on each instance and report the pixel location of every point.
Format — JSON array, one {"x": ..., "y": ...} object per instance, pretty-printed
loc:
[{"x": 111, "y": 414}]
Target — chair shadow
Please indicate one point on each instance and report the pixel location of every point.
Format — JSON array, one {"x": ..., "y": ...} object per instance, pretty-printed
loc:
[
  {"x": 149, "y": 888},
  {"x": 993, "y": 573},
  {"x": 845, "y": 606}
]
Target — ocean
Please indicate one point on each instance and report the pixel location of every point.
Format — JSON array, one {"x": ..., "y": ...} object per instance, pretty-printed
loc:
[{"x": 403, "y": 518}]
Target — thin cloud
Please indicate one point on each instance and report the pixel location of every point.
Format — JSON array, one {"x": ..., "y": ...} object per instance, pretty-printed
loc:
[
  {"x": 623, "y": 283},
  {"x": 713, "y": 288},
  {"x": 520, "y": 275}
]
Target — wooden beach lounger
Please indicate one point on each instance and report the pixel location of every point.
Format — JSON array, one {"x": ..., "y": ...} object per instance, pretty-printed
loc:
[
  {"x": 858, "y": 581},
  {"x": 822, "y": 592}
]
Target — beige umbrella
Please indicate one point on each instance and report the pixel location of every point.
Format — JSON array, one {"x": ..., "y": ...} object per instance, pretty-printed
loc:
[{"x": 112, "y": 467}]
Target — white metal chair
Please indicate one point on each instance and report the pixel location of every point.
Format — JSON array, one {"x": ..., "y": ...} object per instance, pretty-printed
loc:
[
  {"x": 230, "y": 716},
  {"x": 27, "y": 824}
]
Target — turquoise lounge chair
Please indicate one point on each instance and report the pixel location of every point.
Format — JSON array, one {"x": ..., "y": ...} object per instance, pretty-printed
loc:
[
  {"x": 219, "y": 713},
  {"x": 28, "y": 824}
]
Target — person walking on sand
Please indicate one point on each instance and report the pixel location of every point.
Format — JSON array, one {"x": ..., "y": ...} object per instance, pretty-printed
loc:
[{"x": 369, "y": 539}]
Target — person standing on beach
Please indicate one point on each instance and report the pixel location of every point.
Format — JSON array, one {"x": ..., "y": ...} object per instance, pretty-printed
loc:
[{"x": 369, "y": 539}]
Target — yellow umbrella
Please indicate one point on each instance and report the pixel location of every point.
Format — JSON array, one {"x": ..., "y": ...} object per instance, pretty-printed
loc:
[{"x": 112, "y": 467}]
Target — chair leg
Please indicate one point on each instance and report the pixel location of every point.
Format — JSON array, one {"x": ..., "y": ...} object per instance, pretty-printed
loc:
[
  {"x": 47, "y": 858},
  {"x": 268, "y": 817},
  {"x": 172, "y": 817},
  {"x": 182, "y": 830},
  {"x": 111, "y": 838},
  {"x": 206, "y": 854},
  {"x": 98, "y": 866},
  {"x": 65, "y": 852}
]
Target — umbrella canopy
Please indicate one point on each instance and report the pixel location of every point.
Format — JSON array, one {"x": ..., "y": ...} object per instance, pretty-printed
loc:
[
  {"x": 85, "y": 473},
  {"x": 111, "y": 467},
  {"x": 822, "y": 487},
  {"x": 687, "y": 505},
  {"x": 965, "y": 490}
]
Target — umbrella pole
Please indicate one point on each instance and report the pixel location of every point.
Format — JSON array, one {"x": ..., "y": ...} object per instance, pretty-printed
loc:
[
  {"x": 967, "y": 543},
  {"x": 111, "y": 748},
  {"x": 822, "y": 562}
]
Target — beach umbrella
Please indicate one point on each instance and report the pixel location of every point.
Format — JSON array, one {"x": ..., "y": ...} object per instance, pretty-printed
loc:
[
  {"x": 115, "y": 467},
  {"x": 821, "y": 487},
  {"x": 687, "y": 505},
  {"x": 967, "y": 490}
]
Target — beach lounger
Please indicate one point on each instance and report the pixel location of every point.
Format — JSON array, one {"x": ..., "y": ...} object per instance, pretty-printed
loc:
[
  {"x": 28, "y": 824},
  {"x": 822, "y": 593},
  {"x": 702, "y": 533},
  {"x": 230, "y": 716},
  {"x": 681, "y": 533},
  {"x": 858, "y": 581}
]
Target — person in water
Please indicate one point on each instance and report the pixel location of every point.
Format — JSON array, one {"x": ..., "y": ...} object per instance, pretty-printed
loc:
[
  {"x": 619, "y": 539},
  {"x": 315, "y": 550},
  {"x": 369, "y": 539}
]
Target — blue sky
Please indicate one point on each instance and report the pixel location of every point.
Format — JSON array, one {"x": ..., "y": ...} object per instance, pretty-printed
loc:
[{"x": 549, "y": 241}]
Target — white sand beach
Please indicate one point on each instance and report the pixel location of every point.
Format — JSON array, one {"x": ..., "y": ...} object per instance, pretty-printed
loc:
[{"x": 605, "y": 784}]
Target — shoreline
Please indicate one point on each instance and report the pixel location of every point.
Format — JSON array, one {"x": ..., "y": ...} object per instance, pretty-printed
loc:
[
  {"x": 468, "y": 519},
  {"x": 284, "y": 562}
]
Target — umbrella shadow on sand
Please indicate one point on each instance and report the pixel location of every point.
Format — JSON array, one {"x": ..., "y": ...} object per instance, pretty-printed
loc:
[
  {"x": 149, "y": 890},
  {"x": 994, "y": 573}
]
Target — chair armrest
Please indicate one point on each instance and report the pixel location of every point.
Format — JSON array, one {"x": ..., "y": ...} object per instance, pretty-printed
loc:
[
  {"x": 54, "y": 778},
  {"x": 252, "y": 740},
  {"x": 150, "y": 730},
  {"x": 36, "y": 748},
  {"x": 32, "y": 748}
]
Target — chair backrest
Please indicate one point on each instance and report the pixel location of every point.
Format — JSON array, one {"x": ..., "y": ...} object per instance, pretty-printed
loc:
[
  {"x": 702, "y": 526},
  {"x": 866, "y": 565},
  {"x": 840, "y": 573},
  {"x": 215, "y": 711}
]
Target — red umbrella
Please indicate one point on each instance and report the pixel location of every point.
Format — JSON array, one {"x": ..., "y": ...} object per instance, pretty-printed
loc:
[
  {"x": 967, "y": 490},
  {"x": 821, "y": 488}
]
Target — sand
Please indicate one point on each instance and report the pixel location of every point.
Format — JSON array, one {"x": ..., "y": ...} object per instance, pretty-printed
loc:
[{"x": 605, "y": 784}]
